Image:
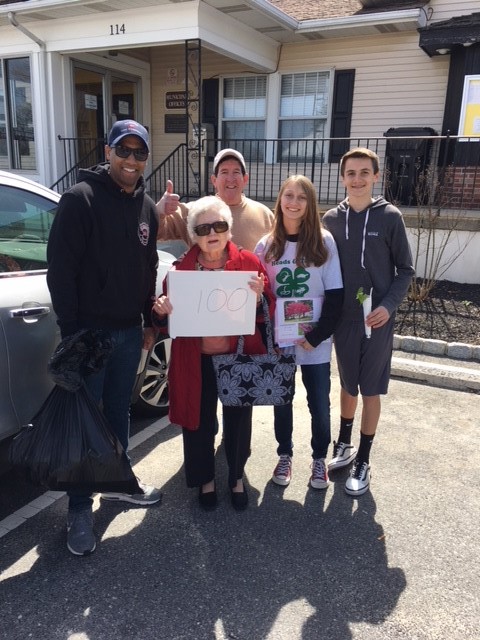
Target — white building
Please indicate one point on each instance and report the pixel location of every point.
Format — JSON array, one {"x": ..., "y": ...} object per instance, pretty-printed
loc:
[{"x": 251, "y": 69}]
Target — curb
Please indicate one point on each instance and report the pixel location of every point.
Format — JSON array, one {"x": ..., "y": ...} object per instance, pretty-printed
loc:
[
  {"x": 446, "y": 376},
  {"x": 454, "y": 350},
  {"x": 443, "y": 370}
]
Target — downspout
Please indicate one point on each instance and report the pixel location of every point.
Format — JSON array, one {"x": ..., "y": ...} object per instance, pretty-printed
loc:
[{"x": 14, "y": 22}]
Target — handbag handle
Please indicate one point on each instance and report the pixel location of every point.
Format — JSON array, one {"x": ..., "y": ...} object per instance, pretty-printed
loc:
[{"x": 268, "y": 328}]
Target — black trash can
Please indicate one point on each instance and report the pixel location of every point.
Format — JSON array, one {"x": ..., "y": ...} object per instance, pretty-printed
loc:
[{"x": 406, "y": 161}]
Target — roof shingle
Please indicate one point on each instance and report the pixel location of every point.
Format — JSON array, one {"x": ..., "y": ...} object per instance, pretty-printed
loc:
[{"x": 315, "y": 10}]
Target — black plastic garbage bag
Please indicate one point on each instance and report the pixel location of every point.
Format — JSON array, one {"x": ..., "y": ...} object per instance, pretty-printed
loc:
[
  {"x": 69, "y": 444},
  {"x": 78, "y": 356}
]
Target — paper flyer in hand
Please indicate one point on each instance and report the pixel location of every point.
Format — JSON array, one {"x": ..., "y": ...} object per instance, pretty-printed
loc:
[{"x": 294, "y": 318}]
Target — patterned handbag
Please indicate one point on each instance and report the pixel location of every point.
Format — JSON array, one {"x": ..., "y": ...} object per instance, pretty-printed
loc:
[{"x": 251, "y": 380}]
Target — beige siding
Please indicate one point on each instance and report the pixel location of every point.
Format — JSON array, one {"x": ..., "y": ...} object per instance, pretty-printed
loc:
[
  {"x": 396, "y": 83},
  {"x": 446, "y": 9},
  {"x": 163, "y": 59}
]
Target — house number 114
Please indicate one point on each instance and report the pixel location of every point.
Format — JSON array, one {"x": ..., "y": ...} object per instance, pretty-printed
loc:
[{"x": 117, "y": 29}]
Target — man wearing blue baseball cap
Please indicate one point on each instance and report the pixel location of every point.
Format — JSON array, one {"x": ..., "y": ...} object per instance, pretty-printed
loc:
[
  {"x": 123, "y": 128},
  {"x": 102, "y": 267}
]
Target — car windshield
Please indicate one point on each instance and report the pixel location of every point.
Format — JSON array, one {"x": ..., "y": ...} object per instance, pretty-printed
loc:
[{"x": 25, "y": 222}]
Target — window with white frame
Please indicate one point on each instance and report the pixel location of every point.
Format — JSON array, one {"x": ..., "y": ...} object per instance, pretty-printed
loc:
[
  {"x": 17, "y": 141},
  {"x": 304, "y": 104},
  {"x": 243, "y": 115}
]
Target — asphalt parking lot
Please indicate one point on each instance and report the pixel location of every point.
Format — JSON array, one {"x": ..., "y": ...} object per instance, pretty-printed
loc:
[{"x": 399, "y": 562}]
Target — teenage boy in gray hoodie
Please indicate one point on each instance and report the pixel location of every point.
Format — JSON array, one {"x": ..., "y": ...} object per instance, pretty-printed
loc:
[{"x": 375, "y": 258}]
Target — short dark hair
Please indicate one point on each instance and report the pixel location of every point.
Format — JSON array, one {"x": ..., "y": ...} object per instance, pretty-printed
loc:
[{"x": 360, "y": 152}]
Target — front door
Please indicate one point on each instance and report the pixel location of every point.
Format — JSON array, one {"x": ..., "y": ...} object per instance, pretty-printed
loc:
[
  {"x": 101, "y": 98},
  {"x": 90, "y": 114},
  {"x": 124, "y": 99}
]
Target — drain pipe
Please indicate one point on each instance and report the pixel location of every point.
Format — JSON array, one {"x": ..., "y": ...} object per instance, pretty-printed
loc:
[{"x": 14, "y": 22}]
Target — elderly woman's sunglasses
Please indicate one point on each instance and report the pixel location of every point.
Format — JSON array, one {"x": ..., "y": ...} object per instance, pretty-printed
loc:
[
  {"x": 220, "y": 226},
  {"x": 123, "y": 152}
]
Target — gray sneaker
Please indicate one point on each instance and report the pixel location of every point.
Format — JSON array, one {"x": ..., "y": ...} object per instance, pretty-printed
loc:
[
  {"x": 149, "y": 496},
  {"x": 80, "y": 537}
]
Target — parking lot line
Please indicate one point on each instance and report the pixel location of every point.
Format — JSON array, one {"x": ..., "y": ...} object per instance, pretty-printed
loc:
[{"x": 34, "y": 507}]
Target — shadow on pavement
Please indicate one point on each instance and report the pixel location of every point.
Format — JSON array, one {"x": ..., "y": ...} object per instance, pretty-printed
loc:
[{"x": 280, "y": 570}]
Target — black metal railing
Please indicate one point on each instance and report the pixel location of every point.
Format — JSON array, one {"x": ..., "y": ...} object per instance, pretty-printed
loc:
[
  {"x": 78, "y": 153},
  {"x": 439, "y": 171},
  {"x": 442, "y": 171},
  {"x": 175, "y": 168}
]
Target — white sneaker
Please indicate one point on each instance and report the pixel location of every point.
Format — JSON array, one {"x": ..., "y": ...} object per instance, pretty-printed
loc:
[
  {"x": 343, "y": 454},
  {"x": 319, "y": 477},
  {"x": 149, "y": 496},
  {"x": 359, "y": 480},
  {"x": 282, "y": 474}
]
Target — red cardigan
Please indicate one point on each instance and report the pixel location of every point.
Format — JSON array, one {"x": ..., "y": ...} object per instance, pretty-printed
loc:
[{"x": 184, "y": 376}]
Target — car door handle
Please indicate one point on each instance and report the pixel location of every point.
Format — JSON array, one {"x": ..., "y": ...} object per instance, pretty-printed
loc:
[{"x": 29, "y": 312}]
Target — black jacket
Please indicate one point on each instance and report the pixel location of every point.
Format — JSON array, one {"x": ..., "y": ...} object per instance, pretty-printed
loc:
[{"x": 102, "y": 257}]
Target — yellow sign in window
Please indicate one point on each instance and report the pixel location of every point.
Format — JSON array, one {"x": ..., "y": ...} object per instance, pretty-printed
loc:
[{"x": 470, "y": 113}]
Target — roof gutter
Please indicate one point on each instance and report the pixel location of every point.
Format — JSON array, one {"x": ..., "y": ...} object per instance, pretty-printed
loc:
[
  {"x": 370, "y": 20},
  {"x": 35, "y": 6},
  {"x": 271, "y": 11},
  {"x": 14, "y": 22}
]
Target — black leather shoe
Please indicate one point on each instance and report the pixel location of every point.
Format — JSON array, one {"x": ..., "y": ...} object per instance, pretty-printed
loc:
[
  {"x": 208, "y": 501},
  {"x": 239, "y": 500}
]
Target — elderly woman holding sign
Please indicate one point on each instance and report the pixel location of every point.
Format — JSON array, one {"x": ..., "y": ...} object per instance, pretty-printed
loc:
[{"x": 192, "y": 381}]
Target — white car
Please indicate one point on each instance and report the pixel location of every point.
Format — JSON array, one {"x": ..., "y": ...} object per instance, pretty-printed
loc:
[{"x": 28, "y": 329}]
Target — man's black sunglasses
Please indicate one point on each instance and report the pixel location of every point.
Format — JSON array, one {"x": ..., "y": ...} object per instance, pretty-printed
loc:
[
  {"x": 123, "y": 152},
  {"x": 220, "y": 226}
]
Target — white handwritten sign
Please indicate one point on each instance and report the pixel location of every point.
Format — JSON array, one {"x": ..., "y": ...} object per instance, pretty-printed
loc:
[{"x": 211, "y": 303}]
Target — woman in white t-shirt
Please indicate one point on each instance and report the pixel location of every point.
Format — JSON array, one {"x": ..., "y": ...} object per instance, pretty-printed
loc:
[{"x": 303, "y": 268}]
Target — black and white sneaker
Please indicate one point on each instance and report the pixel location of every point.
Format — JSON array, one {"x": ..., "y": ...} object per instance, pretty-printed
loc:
[
  {"x": 359, "y": 480},
  {"x": 343, "y": 454},
  {"x": 150, "y": 495}
]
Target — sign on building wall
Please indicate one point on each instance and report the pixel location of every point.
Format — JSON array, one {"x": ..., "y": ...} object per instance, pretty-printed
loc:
[
  {"x": 470, "y": 113},
  {"x": 176, "y": 100},
  {"x": 176, "y": 123},
  {"x": 90, "y": 102}
]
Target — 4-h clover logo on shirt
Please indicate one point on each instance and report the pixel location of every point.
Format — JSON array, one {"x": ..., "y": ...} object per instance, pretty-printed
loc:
[{"x": 292, "y": 284}]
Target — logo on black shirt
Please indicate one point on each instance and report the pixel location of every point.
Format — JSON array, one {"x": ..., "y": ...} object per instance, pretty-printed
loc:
[{"x": 143, "y": 233}]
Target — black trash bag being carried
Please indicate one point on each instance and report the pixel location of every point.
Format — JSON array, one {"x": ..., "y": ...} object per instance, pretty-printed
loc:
[
  {"x": 69, "y": 444},
  {"x": 78, "y": 356}
]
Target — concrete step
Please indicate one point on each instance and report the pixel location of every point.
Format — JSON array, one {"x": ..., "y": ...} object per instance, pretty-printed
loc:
[{"x": 438, "y": 372}]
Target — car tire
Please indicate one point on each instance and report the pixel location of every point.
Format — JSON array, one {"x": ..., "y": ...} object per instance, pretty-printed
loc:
[{"x": 153, "y": 395}]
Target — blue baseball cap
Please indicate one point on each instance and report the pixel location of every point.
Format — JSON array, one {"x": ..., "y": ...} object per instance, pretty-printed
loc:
[{"x": 123, "y": 128}]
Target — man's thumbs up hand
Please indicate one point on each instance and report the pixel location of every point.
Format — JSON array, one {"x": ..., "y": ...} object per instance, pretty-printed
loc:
[{"x": 168, "y": 203}]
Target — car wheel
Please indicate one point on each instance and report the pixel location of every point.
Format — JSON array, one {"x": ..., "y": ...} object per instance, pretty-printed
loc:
[{"x": 153, "y": 396}]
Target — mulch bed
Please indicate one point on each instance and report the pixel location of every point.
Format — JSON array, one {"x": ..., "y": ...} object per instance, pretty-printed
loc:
[{"x": 451, "y": 313}]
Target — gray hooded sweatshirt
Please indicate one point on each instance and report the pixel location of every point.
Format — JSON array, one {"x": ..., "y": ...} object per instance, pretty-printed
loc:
[{"x": 374, "y": 253}]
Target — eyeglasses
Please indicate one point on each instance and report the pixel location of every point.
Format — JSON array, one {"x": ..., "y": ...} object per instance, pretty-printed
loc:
[
  {"x": 220, "y": 226},
  {"x": 124, "y": 152}
]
